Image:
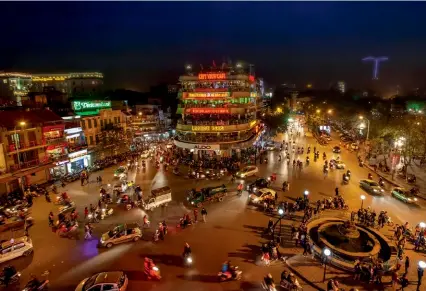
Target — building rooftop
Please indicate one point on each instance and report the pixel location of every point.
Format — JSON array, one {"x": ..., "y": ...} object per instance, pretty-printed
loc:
[{"x": 11, "y": 118}]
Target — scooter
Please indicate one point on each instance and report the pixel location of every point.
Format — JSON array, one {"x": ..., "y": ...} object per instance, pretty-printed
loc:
[
  {"x": 234, "y": 274},
  {"x": 153, "y": 273},
  {"x": 187, "y": 260},
  {"x": 13, "y": 279}
]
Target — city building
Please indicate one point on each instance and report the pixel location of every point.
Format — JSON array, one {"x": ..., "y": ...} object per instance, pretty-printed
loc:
[
  {"x": 14, "y": 87},
  {"x": 31, "y": 142},
  {"x": 341, "y": 87},
  {"x": 149, "y": 119},
  {"x": 218, "y": 111},
  {"x": 70, "y": 84},
  {"x": 98, "y": 119}
]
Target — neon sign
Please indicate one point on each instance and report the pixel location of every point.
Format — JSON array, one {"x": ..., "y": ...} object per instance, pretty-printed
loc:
[
  {"x": 201, "y": 128},
  {"x": 212, "y": 95},
  {"x": 208, "y": 110},
  {"x": 217, "y": 128},
  {"x": 212, "y": 76},
  {"x": 85, "y": 105},
  {"x": 251, "y": 78}
]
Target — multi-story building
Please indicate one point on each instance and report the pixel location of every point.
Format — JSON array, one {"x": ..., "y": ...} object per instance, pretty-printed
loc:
[
  {"x": 219, "y": 111},
  {"x": 32, "y": 142},
  {"x": 14, "y": 87},
  {"x": 98, "y": 120},
  {"x": 70, "y": 84}
]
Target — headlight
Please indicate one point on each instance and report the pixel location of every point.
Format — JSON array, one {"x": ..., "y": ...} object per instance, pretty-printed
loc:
[
  {"x": 155, "y": 269},
  {"x": 254, "y": 189},
  {"x": 192, "y": 202},
  {"x": 101, "y": 241},
  {"x": 256, "y": 199},
  {"x": 115, "y": 175},
  {"x": 375, "y": 190},
  {"x": 382, "y": 190},
  {"x": 189, "y": 260},
  {"x": 415, "y": 199},
  {"x": 409, "y": 199},
  {"x": 242, "y": 175}
]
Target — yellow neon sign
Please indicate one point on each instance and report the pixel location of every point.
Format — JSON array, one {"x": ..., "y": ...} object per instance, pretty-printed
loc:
[
  {"x": 252, "y": 123},
  {"x": 201, "y": 128},
  {"x": 217, "y": 128}
]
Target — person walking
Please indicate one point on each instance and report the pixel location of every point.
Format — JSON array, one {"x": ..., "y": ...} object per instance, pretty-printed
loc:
[
  {"x": 407, "y": 264},
  {"x": 195, "y": 215},
  {"x": 87, "y": 231},
  {"x": 336, "y": 191},
  {"x": 204, "y": 214}
]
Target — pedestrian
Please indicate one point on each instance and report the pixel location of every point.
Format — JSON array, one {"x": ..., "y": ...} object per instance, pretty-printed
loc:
[
  {"x": 100, "y": 180},
  {"x": 336, "y": 191},
  {"x": 51, "y": 217},
  {"x": 195, "y": 215},
  {"x": 420, "y": 271},
  {"x": 204, "y": 214},
  {"x": 100, "y": 204},
  {"x": 407, "y": 264},
  {"x": 87, "y": 231},
  {"x": 82, "y": 180},
  {"x": 97, "y": 180},
  {"x": 86, "y": 212},
  {"x": 394, "y": 280},
  {"x": 404, "y": 282},
  {"x": 305, "y": 247}
]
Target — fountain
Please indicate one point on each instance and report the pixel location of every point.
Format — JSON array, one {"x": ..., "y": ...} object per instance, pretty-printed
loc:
[{"x": 348, "y": 241}]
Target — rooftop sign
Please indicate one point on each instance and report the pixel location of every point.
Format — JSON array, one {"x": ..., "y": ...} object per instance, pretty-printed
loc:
[
  {"x": 211, "y": 95},
  {"x": 212, "y": 76},
  {"x": 90, "y": 105}
]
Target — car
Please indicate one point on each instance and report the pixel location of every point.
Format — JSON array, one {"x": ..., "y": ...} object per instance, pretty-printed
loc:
[
  {"x": 120, "y": 234},
  {"x": 145, "y": 154},
  {"x": 121, "y": 172},
  {"x": 371, "y": 187},
  {"x": 258, "y": 184},
  {"x": 337, "y": 150},
  {"x": 247, "y": 172},
  {"x": 270, "y": 146},
  {"x": 354, "y": 146},
  {"x": 261, "y": 194},
  {"x": 403, "y": 195},
  {"x": 339, "y": 164},
  {"x": 114, "y": 280},
  {"x": 14, "y": 248}
]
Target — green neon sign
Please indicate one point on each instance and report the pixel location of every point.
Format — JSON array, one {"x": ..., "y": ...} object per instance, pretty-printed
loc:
[{"x": 90, "y": 105}]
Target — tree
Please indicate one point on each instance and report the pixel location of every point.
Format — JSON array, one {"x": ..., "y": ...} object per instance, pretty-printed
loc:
[{"x": 277, "y": 122}]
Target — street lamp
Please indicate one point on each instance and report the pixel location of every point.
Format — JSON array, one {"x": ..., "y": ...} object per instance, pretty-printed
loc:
[
  {"x": 422, "y": 225},
  {"x": 362, "y": 200},
  {"x": 327, "y": 254},
  {"x": 318, "y": 111},
  {"x": 18, "y": 141},
  {"x": 330, "y": 111},
  {"x": 368, "y": 124}
]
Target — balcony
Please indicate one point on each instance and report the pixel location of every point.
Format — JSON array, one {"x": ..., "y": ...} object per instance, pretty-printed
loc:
[
  {"x": 217, "y": 127},
  {"x": 25, "y": 146},
  {"x": 223, "y": 138},
  {"x": 76, "y": 147},
  {"x": 29, "y": 164}
]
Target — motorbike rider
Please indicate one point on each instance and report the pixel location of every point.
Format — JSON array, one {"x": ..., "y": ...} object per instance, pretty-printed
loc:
[
  {"x": 381, "y": 181},
  {"x": 370, "y": 176},
  {"x": 33, "y": 283},
  {"x": 148, "y": 265},
  {"x": 186, "y": 250},
  {"x": 344, "y": 177},
  {"x": 348, "y": 173},
  {"x": 240, "y": 188},
  {"x": 269, "y": 281},
  {"x": 8, "y": 273}
]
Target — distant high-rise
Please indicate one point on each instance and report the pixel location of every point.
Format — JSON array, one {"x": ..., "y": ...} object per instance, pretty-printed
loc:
[{"x": 341, "y": 87}]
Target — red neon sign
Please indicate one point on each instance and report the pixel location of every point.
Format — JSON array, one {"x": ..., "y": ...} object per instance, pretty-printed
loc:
[
  {"x": 212, "y": 76},
  {"x": 208, "y": 110},
  {"x": 251, "y": 78}
]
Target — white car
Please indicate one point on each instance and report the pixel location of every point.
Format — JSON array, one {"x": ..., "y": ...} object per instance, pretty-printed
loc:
[
  {"x": 247, "y": 172},
  {"x": 114, "y": 281},
  {"x": 270, "y": 146},
  {"x": 260, "y": 195},
  {"x": 340, "y": 165},
  {"x": 145, "y": 154},
  {"x": 15, "y": 248}
]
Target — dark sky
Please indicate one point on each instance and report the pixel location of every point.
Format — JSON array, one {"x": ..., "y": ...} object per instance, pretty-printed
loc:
[{"x": 137, "y": 44}]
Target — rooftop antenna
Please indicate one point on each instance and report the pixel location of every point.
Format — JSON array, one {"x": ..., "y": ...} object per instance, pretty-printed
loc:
[{"x": 376, "y": 61}]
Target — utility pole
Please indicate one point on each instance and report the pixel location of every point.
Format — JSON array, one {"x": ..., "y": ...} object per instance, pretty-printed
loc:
[{"x": 376, "y": 61}]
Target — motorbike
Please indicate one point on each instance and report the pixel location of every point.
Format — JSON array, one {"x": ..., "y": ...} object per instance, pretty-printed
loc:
[
  {"x": 307, "y": 160},
  {"x": 346, "y": 180},
  {"x": 105, "y": 212},
  {"x": 13, "y": 279},
  {"x": 268, "y": 288},
  {"x": 153, "y": 273},
  {"x": 233, "y": 274},
  {"x": 182, "y": 223},
  {"x": 30, "y": 286},
  {"x": 381, "y": 183},
  {"x": 64, "y": 231},
  {"x": 370, "y": 177},
  {"x": 187, "y": 260}
]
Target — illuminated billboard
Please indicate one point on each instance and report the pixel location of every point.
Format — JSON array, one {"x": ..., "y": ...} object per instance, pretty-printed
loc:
[
  {"x": 85, "y": 107},
  {"x": 208, "y": 95},
  {"x": 212, "y": 76},
  {"x": 208, "y": 111}
]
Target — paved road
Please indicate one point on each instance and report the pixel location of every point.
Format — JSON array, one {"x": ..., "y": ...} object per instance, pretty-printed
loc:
[{"x": 232, "y": 231}]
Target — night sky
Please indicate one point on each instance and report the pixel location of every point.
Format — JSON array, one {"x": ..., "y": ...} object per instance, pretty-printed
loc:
[{"x": 138, "y": 44}]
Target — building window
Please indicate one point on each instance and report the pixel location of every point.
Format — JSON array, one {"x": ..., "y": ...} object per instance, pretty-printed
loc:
[
  {"x": 5, "y": 81},
  {"x": 83, "y": 124},
  {"x": 118, "y": 118},
  {"x": 91, "y": 140},
  {"x": 102, "y": 123},
  {"x": 89, "y": 123},
  {"x": 105, "y": 122},
  {"x": 95, "y": 123},
  {"x": 110, "y": 121}
]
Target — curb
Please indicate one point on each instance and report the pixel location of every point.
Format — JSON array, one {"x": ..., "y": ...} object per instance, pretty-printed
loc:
[{"x": 304, "y": 279}]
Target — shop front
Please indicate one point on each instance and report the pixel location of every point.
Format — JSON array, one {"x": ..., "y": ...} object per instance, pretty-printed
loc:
[
  {"x": 56, "y": 151},
  {"x": 59, "y": 170},
  {"x": 78, "y": 161},
  {"x": 53, "y": 132}
]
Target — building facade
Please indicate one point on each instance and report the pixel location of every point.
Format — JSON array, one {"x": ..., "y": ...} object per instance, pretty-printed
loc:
[
  {"x": 70, "y": 84},
  {"x": 14, "y": 87},
  {"x": 219, "y": 111},
  {"x": 31, "y": 143}
]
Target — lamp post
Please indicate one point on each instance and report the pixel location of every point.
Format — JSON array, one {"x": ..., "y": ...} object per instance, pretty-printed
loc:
[
  {"x": 326, "y": 254},
  {"x": 420, "y": 270},
  {"x": 368, "y": 125},
  {"x": 362, "y": 200},
  {"x": 18, "y": 141}
]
